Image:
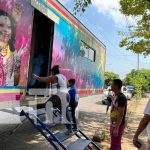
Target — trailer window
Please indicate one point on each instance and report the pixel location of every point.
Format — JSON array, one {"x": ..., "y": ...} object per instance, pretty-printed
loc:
[
  {"x": 87, "y": 52},
  {"x": 84, "y": 51},
  {"x": 92, "y": 55}
]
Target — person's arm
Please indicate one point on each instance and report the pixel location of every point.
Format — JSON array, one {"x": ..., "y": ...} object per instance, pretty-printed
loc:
[
  {"x": 143, "y": 124},
  {"x": 46, "y": 80}
]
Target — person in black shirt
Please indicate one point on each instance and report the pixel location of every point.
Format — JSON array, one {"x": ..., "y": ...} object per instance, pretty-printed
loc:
[{"x": 118, "y": 114}]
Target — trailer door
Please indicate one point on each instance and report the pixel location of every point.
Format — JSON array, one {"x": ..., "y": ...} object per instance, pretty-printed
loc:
[{"x": 41, "y": 49}]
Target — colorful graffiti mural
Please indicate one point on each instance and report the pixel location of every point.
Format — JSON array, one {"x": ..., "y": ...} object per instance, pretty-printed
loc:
[
  {"x": 66, "y": 53},
  {"x": 16, "y": 21},
  {"x": 15, "y": 41},
  {"x": 68, "y": 35}
]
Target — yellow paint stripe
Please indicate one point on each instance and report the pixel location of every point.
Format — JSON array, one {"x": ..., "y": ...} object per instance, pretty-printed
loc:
[{"x": 11, "y": 91}]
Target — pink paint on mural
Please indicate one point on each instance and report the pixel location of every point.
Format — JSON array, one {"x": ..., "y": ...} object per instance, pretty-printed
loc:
[
  {"x": 13, "y": 96},
  {"x": 15, "y": 39},
  {"x": 58, "y": 53}
]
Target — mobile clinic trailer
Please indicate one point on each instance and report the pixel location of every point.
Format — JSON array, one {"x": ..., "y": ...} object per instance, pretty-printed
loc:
[{"x": 37, "y": 34}]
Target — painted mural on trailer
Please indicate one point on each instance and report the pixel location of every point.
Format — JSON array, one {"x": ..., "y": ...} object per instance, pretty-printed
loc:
[
  {"x": 89, "y": 74},
  {"x": 66, "y": 53},
  {"x": 15, "y": 39}
]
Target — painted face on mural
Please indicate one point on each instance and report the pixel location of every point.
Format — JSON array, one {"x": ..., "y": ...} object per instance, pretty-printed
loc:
[{"x": 5, "y": 30}]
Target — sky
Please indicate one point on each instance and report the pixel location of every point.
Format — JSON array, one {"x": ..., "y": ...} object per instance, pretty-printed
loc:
[{"x": 104, "y": 20}]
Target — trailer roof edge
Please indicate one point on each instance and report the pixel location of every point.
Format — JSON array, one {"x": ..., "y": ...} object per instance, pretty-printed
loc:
[{"x": 74, "y": 17}]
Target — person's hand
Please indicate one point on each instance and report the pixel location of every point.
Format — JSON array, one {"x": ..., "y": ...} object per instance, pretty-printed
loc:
[
  {"x": 115, "y": 132},
  {"x": 111, "y": 97},
  {"x": 35, "y": 76},
  {"x": 17, "y": 12},
  {"x": 136, "y": 143}
]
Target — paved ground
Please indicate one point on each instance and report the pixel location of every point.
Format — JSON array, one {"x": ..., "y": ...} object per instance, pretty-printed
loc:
[{"x": 92, "y": 118}]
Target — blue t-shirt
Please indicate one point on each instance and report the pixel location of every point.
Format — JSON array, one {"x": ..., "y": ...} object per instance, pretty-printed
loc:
[{"x": 73, "y": 94}]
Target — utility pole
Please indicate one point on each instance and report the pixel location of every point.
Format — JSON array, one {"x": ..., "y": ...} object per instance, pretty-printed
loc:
[{"x": 138, "y": 63}]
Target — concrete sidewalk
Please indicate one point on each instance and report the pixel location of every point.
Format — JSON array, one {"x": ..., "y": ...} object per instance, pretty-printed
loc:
[{"x": 10, "y": 119}]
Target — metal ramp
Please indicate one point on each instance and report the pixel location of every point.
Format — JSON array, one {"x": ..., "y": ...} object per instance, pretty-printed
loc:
[{"x": 57, "y": 139}]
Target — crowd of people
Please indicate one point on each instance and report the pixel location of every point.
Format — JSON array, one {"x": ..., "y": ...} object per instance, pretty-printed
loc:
[
  {"x": 116, "y": 99},
  {"x": 62, "y": 88}
]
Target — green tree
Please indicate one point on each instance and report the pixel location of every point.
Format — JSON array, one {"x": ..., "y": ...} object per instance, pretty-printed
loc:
[
  {"x": 139, "y": 79},
  {"x": 109, "y": 77},
  {"x": 138, "y": 37},
  {"x": 139, "y": 82},
  {"x": 81, "y": 5}
]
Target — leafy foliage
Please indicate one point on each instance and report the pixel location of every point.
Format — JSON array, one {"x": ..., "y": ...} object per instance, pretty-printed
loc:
[
  {"x": 81, "y": 5},
  {"x": 139, "y": 79},
  {"x": 138, "y": 38},
  {"x": 109, "y": 77}
]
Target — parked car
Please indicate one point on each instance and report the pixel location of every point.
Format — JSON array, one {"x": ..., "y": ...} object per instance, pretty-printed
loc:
[
  {"x": 127, "y": 92},
  {"x": 131, "y": 89}
]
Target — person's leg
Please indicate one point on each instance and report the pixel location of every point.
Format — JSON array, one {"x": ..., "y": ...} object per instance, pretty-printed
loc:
[
  {"x": 55, "y": 101},
  {"x": 121, "y": 131},
  {"x": 74, "y": 117},
  {"x": 69, "y": 124},
  {"x": 107, "y": 109},
  {"x": 148, "y": 144},
  {"x": 108, "y": 104},
  {"x": 55, "y": 104},
  {"x": 116, "y": 140}
]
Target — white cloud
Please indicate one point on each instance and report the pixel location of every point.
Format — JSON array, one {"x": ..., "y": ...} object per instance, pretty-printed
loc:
[{"x": 111, "y": 8}]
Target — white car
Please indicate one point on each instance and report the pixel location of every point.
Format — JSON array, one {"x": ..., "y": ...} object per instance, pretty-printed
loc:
[{"x": 124, "y": 90}]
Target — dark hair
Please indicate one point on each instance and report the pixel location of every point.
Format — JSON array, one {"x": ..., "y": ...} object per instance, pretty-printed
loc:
[
  {"x": 118, "y": 83},
  {"x": 13, "y": 30},
  {"x": 73, "y": 81},
  {"x": 55, "y": 69}
]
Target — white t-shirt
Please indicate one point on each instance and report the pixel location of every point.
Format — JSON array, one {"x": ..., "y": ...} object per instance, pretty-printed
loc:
[
  {"x": 111, "y": 93},
  {"x": 62, "y": 82},
  {"x": 147, "y": 112}
]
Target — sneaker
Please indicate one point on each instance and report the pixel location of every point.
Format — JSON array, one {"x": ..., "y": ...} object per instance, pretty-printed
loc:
[{"x": 74, "y": 128}]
